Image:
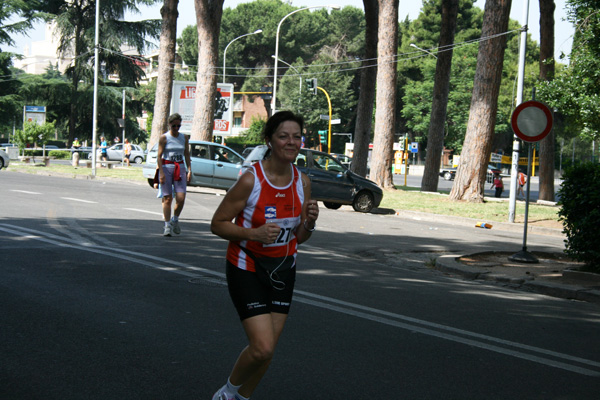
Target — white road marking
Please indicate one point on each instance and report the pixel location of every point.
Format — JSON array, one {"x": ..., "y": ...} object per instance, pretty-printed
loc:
[
  {"x": 79, "y": 200},
  {"x": 24, "y": 191},
  {"x": 143, "y": 211},
  {"x": 501, "y": 346}
]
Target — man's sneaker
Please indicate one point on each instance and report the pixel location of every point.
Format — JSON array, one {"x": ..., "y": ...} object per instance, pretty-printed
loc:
[
  {"x": 220, "y": 395},
  {"x": 175, "y": 227},
  {"x": 167, "y": 231}
]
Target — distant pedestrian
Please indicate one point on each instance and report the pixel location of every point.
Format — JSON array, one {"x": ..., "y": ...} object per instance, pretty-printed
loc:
[
  {"x": 127, "y": 150},
  {"x": 103, "y": 149},
  {"x": 173, "y": 150},
  {"x": 498, "y": 184},
  {"x": 522, "y": 180}
]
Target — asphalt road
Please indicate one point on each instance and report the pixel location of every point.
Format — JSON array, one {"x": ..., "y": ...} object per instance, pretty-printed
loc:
[{"x": 97, "y": 304}]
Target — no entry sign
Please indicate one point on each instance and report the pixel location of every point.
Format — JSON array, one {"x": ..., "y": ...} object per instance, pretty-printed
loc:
[{"x": 531, "y": 121}]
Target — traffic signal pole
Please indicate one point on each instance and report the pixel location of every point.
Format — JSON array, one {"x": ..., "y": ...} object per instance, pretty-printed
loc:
[{"x": 329, "y": 127}]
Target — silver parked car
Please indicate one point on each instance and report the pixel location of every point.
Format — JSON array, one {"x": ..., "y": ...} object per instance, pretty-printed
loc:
[
  {"x": 115, "y": 153},
  {"x": 4, "y": 160},
  {"x": 213, "y": 165}
]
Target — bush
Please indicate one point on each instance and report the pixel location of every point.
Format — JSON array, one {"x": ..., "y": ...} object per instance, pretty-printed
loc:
[
  {"x": 580, "y": 213},
  {"x": 60, "y": 154}
]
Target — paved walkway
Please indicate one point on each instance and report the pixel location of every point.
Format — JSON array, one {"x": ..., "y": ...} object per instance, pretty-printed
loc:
[{"x": 554, "y": 275}]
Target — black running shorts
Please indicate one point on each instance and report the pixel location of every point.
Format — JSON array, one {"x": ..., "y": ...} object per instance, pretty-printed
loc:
[{"x": 252, "y": 297}]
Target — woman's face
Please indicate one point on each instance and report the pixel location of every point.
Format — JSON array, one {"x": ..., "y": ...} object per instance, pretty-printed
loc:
[
  {"x": 175, "y": 125},
  {"x": 286, "y": 141}
]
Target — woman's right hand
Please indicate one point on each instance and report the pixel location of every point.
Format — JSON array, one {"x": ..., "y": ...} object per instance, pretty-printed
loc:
[{"x": 267, "y": 233}]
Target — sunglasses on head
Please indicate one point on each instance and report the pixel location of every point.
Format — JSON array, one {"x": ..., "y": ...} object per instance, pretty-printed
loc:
[{"x": 176, "y": 126}]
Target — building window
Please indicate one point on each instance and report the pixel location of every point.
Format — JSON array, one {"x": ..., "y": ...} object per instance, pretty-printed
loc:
[{"x": 237, "y": 122}]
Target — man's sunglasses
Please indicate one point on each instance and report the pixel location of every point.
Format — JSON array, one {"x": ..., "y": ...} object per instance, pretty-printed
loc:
[{"x": 175, "y": 126}]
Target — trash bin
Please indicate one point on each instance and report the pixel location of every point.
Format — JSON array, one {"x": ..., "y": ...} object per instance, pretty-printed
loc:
[{"x": 75, "y": 159}]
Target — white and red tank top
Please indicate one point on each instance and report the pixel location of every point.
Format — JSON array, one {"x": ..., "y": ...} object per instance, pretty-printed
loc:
[{"x": 269, "y": 204}]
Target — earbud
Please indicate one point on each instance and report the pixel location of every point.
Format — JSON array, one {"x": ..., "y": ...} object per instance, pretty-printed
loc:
[{"x": 269, "y": 145}]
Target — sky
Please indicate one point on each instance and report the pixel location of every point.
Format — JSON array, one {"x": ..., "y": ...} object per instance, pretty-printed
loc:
[{"x": 411, "y": 8}]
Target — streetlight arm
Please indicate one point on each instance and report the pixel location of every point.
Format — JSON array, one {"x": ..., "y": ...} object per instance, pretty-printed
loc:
[
  {"x": 229, "y": 44},
  {"x": 335, "y": 7},
  {"x": 423, "y": 50}
]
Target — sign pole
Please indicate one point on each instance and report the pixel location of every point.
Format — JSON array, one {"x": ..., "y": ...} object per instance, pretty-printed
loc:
[
  {"x": 524, "y": 255},
  {"x": 531, "y": 122}
]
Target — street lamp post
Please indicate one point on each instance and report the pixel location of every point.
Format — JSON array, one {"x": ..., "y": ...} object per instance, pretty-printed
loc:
[
  {"x": 423, "y": 50},
  {"x": 299, "y": 76},
  {"x": 228, "y": 44},
  {"x": 273, "y": 101}
]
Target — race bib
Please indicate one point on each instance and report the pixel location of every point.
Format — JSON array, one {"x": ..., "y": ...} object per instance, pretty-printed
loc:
[
  {"x": 286, "y": 233},
  {"x": 177, "y": 158}
]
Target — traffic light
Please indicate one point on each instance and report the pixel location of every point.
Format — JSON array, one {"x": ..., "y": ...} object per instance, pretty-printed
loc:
[
  {"x": 323, "y": 137},
  {"x": 311, "y": 84}
]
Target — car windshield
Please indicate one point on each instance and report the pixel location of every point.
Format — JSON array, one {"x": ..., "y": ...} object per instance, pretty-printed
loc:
[{"x": 327, "y": 163}]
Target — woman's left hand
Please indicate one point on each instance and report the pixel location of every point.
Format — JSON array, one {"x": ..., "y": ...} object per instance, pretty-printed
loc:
[{"x": 312, "y": 211}]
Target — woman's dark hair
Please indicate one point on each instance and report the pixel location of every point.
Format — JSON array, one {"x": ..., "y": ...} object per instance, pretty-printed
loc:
[
  {"x": 277, "y": 119},
  {"x": 174, "y": 117}
]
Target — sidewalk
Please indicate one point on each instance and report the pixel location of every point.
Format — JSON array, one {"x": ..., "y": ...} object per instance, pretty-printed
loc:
[{"x": 554, "y": 275}]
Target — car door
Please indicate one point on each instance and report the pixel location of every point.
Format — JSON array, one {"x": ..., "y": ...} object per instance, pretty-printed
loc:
[
  {"x": 202, "y": 166},
  {"x": 329, "y": 180},
  {"x": 227, "y": 165},
  {"x": 115, "y": 152}
]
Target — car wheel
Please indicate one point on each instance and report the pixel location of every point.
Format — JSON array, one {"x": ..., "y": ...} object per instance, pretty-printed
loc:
[
  {"x": 1, "y": 163},
  {"x": 448, "y": 176},
  {"x": 138, "y": 160},
  {"x": 331, "y": 206},
  {"x": 363, "y": 202}
]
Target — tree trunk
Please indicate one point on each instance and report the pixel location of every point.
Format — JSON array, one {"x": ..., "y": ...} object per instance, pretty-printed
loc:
[
  {"x": 470, "y": 176},
  {"x": 208, "y": 19},
  {"x": 546, "y": 74},
  {"x": 364, "y": 114},
  {"x": 385, "y": 114},
  {"x": 441, "y": 86},
  {"x": 166, "y": 59}
]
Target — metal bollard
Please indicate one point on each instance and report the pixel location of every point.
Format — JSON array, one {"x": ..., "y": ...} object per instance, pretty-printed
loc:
[{"x": 76, "y": 159}]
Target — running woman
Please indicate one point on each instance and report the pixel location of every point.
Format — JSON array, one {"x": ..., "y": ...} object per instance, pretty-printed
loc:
[
  {"x": 265, "y": 215},
  {"x": 173, "y": 149}
]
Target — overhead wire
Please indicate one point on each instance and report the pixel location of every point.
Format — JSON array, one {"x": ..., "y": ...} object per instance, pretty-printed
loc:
[{"x": 406, "y": 56}]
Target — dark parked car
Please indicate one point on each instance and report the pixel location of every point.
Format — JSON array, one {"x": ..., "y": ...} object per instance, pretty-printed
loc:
[
  {"x": 213, "y": 165},
  {"x": 331, "y": 182},
  {"x": 450, "y": 173}
]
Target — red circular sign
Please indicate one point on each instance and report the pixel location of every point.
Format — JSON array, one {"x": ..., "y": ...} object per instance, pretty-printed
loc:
[{"x": 531, "y": 121}]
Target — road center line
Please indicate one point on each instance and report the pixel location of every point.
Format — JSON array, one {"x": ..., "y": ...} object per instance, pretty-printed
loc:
[
  {"x": 356, "y": 310},
  {"x": 143, "y": 211},
  {"x": 24, "y": 191},
  {"x": 79, "y": 200}
]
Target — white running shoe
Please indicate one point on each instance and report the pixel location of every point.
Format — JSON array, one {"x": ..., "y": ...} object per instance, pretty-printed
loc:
[
  {"x": 167, "y": 231},
  {"x": 175, "y": 227},
  {"x": 220, "y": 395}
]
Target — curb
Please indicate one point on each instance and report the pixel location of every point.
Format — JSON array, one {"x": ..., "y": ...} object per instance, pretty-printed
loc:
[{"x": 449, "y": 264}]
